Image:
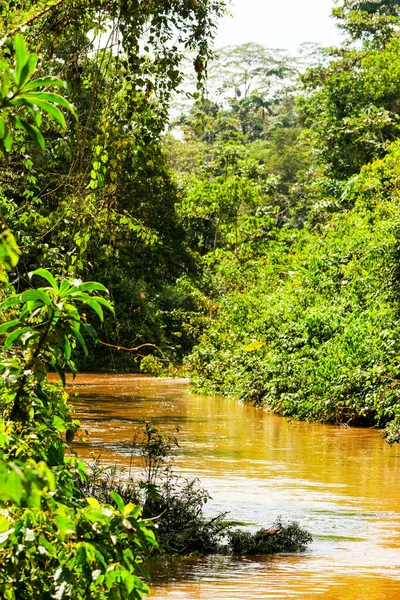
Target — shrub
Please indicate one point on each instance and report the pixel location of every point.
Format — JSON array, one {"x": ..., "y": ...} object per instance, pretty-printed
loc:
[{"x": 280, "y": 538}]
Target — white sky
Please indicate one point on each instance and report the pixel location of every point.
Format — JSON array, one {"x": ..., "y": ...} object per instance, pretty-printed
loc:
[{"x": 278, "y": 23}]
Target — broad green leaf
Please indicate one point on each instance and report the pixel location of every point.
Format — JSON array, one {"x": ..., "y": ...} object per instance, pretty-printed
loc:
[
  {"x": 93, "y": 501},
  {"x": 4, "y": 524},
  {"x": 49, "y": 547},
  {"x": 15, "y": 335},
  {"x": 5, "y": 137},
  {"x": 56, "y": 99},
  {"x": 65, "y": 525},
  {"x": 105, "y": 303},
  {"x": 13, "y": 301},
  {"x": 28, "y": 69},
  {"x": 32, "y": 131},
  {"x": 9, "y": 251},
  {"x": 21, "y": 57},
  {"x": 35, "y": 295},
  {"x": 43, "y": 82},
  {"x": 96, "y": 307},
  {"x": 46, "y": 275},
  {"x": 30, "y": 309},
  {"x": 90, "y": 286},
  {"x": 118, "y": 501},
  {"x": 90, "y": 330},
  {"x": 80, "y": 339},
  {"x": 60, "y": 372},
  {"x": 47, "y": 107},
  {"x": 254, "y": 346},
  {"x": 7, "y": 142},
  {"x": 3, "y": 128},
  {"x": 13, "y": 487},
  {"x": 67, "y": 348},
  {"x": 64, "y": 287},
  {"x": 9, "y": 325}
]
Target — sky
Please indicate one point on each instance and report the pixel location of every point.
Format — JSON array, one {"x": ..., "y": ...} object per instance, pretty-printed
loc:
[{"x": 278, "y": 23}]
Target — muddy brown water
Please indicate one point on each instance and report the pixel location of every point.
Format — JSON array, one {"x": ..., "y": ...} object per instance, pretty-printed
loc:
[{"x": 341, "y": 484}]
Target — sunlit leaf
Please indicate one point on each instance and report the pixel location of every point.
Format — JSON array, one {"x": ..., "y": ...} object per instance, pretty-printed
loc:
[
  {"x": 15, "y": 335},
  {"x": 96, "y": 307},
  {"x": 21, "y": 56},
  {"x": 43, "y": 82},
  {"x": 254, "y": 346},
  {"x": 46, "y": 275},
  {"x": 4, "y": 327}
]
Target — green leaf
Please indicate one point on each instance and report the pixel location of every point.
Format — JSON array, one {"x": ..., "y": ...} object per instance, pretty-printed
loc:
[
  {"x": 90, "y": 330},
  {"x": 105, "y": 303},
  {"x": 65, "y": 525},
  {"x": 254, "y": 346},
  {"x": 90, "y": 286},
  {"x": 56, "y": 99},
  {"x": 67, "y": 348},
  {"x": 46, "y": 107},
  {"x": 13, "y": 487},
  {"x": 96, "y": 307},
  {"x": 13, "y": 301},
  {"x": 32, "y": 131},
  {"x": 28, "y": 69},
  {"x": 65, "y": 286},
  {"x": 9, "y": 325},
  {"x": 15, "y": 335},
  {"x": 73, "y": 367},
  {"x": 60, "y": 372},
  {"x": 21, "y": 56},
  {"x": 93, "y": 502},
  {"x": 44, "y": 81},
  {"x": 35, "y": 295},
  {"x": 49, "y": 547},
  {"x": 4, "y": 524},
  {"x": 78, "y": 335},
  {"x": 118, "y": 501},
  {"x": 3, "y": 129},
  {"x": 30, "y": 309},
  {"x": 46, "y": 275}
]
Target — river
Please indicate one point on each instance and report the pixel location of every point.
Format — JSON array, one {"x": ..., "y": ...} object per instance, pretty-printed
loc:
[{"x": 341, "y": 484}]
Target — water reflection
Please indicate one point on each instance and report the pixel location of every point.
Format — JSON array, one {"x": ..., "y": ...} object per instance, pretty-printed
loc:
[{"x": 340, "y": 483}]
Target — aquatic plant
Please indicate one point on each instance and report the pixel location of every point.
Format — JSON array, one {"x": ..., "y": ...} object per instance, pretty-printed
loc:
[
  {"x": 176, "y": 506},
  {"x": 280, "y": 538}
]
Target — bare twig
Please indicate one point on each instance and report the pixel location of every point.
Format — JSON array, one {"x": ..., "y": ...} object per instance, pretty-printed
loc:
[{"x": 128, "y": 349}]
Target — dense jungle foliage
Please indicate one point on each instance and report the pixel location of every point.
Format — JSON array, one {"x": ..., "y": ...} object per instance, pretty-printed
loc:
[
  {"x": 243, "y": 218},
  {"x": 303, "y": 269}
]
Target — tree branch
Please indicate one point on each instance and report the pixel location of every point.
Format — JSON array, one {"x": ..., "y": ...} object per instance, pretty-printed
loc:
[{"x": 128, "y": 349}]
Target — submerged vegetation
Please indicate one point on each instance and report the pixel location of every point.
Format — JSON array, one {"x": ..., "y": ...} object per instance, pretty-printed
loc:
[{"x": 175, "y": 505}]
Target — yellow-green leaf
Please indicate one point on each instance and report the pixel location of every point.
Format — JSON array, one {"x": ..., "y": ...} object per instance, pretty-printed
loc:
[{"x": 254, "y": 346}]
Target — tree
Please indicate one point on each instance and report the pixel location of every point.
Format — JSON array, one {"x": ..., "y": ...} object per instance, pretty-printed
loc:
[
  {"x": 86, "y": 205},
  {"x": 351, "y": 109}
]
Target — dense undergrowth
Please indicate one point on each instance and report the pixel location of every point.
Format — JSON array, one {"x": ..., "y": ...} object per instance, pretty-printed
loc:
[
  {"x": 323, "y": 306},
  {"x": 307, "y": 289}
]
